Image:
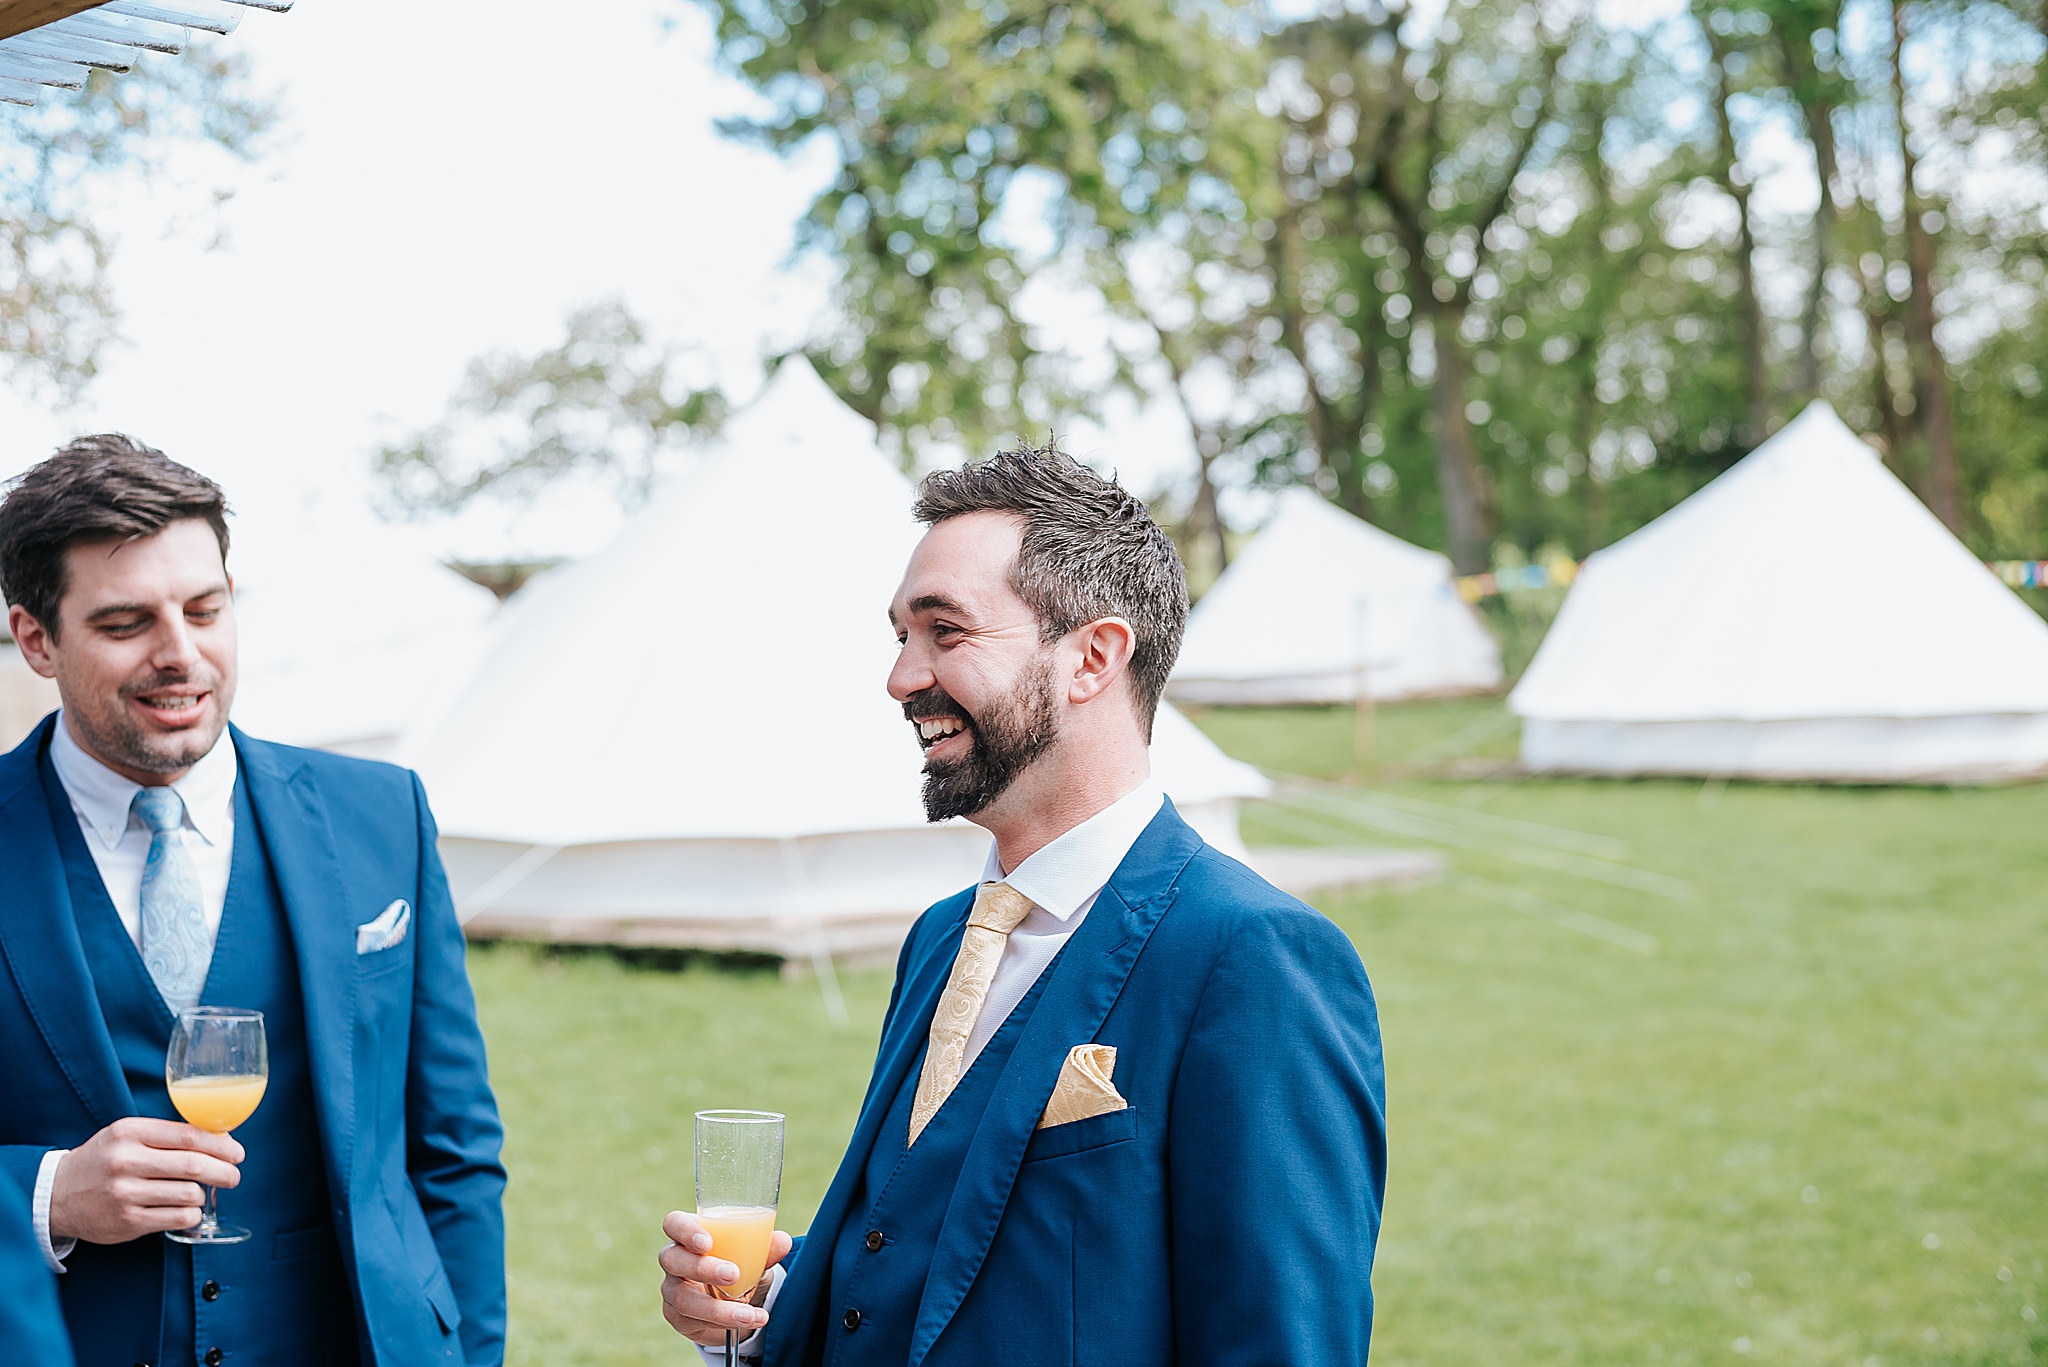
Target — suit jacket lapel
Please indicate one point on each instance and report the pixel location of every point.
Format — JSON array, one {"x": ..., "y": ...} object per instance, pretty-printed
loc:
[
  {"x": 1086, "y": 981},
  {"x": 924, "y": 978},
  {"x": 291, "y": 817},
  {"x": 39, "y": 937}
]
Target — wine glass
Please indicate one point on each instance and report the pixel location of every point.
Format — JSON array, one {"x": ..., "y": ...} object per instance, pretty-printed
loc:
[
  {"x": 217, "y": 1068},
  {"x": 739, "y": 1184}
]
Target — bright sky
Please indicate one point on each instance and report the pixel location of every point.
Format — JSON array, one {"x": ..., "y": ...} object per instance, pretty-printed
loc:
[{"x": 453, "y": 178}]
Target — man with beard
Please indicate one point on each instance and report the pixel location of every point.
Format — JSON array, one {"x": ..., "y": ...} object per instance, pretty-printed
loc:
[
  {"x": 158, "y": 860},
  {"x": 1128, "y": 1107}
]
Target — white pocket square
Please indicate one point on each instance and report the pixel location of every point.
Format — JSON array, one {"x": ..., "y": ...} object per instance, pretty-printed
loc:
[{"x": 387, "y": 930}]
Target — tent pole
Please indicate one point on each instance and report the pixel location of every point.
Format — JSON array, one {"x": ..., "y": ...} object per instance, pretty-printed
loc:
[
  {"x": 1361, "y": 701},
  {"x": 821, "y": 954}
]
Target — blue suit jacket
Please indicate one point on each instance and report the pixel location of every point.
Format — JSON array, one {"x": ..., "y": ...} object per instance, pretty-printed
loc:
[
  {"x": 1229, "y": 1215},
  {"x": 408, "y": 1127},
  {"x": 30, "y": 1324}
]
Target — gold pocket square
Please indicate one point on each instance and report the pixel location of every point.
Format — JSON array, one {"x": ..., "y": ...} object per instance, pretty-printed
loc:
[{"x": 1084, "y": 1088}]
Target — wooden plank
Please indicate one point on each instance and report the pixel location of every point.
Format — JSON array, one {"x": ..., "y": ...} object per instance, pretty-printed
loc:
[{"x": 19, "y": 16}]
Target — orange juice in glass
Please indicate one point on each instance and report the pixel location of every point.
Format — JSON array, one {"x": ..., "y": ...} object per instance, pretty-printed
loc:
[
  {"x": 740, "y": 1235},
  {"x": 739, "y": 1184},
  {"x": 216, "y": 1068}
]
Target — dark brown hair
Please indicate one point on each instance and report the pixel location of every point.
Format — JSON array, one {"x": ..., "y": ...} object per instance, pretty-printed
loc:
[
  {"x": 101, "y": 488},
  {"x": 1090, "y": 551}
]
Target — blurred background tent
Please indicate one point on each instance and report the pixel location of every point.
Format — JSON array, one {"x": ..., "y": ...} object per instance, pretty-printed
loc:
[
  {"x": 1804, "y": 616},
  {"x": 26, "y": 697},
  {"x": 1324, "y": 607},
  {"x": 411, "y": 631},
  {"x": 684, "y": 740}
]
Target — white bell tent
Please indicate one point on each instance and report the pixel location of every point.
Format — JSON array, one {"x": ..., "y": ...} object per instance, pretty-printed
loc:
[
  {"x": 1803, "y": 617},
  {"x": 685, "y": 739},
  {"x": 349, "y": 632},
  {"x": 26, "y": 697},
  {"x": 1322, "y": 607}
]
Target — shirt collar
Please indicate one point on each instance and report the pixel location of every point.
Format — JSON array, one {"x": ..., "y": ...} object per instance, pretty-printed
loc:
[
  {"x": 1066, "y": 874},
  {"x": 104, "y": 798}
]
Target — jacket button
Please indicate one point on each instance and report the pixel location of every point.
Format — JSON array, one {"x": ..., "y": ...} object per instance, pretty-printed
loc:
[
  {"x": 874, "y": 1241},
  {"x": 851, "y": 1319},
  {"x": 213, "y": 1357},
  {"x": 210, "y": 1291}
]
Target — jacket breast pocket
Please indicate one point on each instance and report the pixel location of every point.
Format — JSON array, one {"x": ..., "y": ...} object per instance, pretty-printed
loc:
[
  {"x": 1081, "y": 1136},
  {"x": 379, "y": 964}
]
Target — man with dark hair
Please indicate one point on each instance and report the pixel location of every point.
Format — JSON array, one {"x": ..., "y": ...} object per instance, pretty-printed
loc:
[
  {"x": 1129, "y": 1106},
  {"x": 158, "y": 860}
]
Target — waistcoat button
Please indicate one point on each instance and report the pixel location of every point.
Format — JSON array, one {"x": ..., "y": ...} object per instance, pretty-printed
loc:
[
  {"x": 210, "y": 1291},
  {"x": 852, "y": 1319},
  {"x": 213, "y": 1356},
  {"x": 874, "y": 1241}
]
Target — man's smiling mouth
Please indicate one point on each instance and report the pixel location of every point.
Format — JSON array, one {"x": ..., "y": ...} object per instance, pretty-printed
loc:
[
  {"x": 174, "y": 702},
  {"x": 933, "y": 731}
]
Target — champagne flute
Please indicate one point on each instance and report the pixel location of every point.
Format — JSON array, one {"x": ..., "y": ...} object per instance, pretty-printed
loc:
[
  {"x": 217, "y": 1068},
  {"x": 739, "y": 1184}
]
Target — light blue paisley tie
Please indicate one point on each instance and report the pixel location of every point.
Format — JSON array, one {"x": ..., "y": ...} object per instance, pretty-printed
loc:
[{"x": 176, "y": 945}]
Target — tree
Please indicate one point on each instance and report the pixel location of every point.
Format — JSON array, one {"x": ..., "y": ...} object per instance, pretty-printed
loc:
[
  {"x": 58, "y": 314},
  {"x": 1720, "y": 24},
  {"x": 1136, "y": 116},
  {"x": 1930, "y": 372},
  {"x": 1450, "y": 125},
  {"x": 1488, "y": 279},
  {"x": 604, "y": 401}
]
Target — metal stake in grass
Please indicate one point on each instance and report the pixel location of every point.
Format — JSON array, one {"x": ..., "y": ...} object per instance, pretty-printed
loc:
[{"x": 1361, "y": 701}]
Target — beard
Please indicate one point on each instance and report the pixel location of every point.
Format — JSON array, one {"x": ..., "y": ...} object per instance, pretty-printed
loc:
[
  {"x": 116, "y": 735},
  {"x": 1003, "y": 741}
]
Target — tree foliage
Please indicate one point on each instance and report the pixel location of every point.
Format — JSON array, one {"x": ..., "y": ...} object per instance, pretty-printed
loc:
[
  {"x": 58, "y": 314},
  {"x": 1489, "y": 275},
  {"x": 605, "y": 400}
]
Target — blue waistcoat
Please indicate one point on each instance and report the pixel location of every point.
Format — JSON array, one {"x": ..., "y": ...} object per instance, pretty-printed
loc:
[
  {"x": 282, "y": 1296},
  {"x": 880, "y": 1263}
]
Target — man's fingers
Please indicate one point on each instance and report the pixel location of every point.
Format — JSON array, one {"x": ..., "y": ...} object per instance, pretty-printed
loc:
[
  {"x": 221, "y": 1146},
  {"x": 680, "y": 1262},
  {"x": 141, "y": 1194},
  {"x": 184, "y": 1165},
  {"x": 682, "y": 1227},
  {"x": 175, "y": 1134},
  {"x": 778, "y": 1248},
  {"x": 695, "y": 1330},
  {"x": 157, "y": 1219},
  {"x": 692, "y": 1312}
]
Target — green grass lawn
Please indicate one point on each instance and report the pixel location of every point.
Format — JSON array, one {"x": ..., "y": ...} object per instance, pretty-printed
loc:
[{"x": 1811, "y": 1127}]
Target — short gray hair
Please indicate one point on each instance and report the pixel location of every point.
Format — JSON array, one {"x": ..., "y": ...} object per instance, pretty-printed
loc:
[{"x": 1090, "y": 550}]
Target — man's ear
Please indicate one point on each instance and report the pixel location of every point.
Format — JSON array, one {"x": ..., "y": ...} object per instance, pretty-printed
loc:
[
  {"x": 1105, "y": 647},
  {"x": 31, "y": 640}
]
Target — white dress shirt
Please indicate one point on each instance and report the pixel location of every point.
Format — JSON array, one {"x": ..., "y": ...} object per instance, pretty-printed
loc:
[
  {"x": 1062, "y": 880},
  {"x": 104, "y": 801}
]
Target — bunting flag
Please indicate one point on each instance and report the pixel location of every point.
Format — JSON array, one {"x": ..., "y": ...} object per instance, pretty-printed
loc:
[
  {"x": 1556, "y": 572},
  {"x": 2021, "y": 574}
]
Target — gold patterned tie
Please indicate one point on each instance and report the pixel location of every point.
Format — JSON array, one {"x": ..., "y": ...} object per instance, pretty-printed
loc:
[{"x": 998, "y": 908}]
